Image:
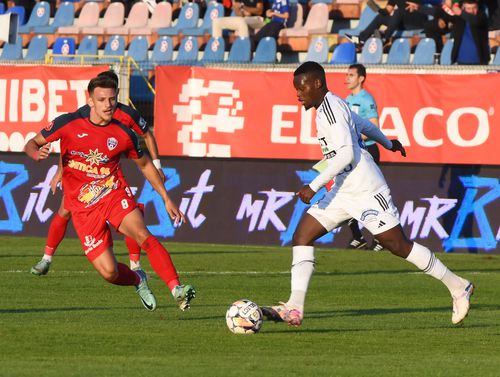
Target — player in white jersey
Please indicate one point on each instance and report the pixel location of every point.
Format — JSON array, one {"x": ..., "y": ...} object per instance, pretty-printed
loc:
[{"x": 360, "y": 191}]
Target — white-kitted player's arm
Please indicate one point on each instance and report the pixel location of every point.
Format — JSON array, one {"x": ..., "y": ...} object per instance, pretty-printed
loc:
[
  {"x": 343, "y": 157},
  {"x": 367, "y": 128}
]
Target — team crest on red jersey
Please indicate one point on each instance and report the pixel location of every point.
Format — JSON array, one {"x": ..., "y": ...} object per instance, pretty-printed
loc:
[
  {"x": 49, "y": 126},
  {"x": 112, "y": 143}
]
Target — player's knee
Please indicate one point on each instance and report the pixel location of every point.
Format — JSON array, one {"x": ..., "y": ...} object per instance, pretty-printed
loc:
[
  {"x": 109, "y": 274},
  {"x": 301, "y": 239},
  {"x": 63, "y": 212},
  {"x": 142, "y": 235},
  {"x": 398, "y": 246}
]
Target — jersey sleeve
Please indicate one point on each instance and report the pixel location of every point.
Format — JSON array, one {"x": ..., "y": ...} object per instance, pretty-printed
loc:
[
  {"x": 134, "y": 151},
  {"x": 370, "y": 108},
  {"x": 336, "y": 123},
  {"x": 54, "y": 130},
  {"x": 132, "y": 118}
]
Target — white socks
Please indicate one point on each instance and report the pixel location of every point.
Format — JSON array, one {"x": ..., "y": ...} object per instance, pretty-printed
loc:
[
  {"x": 135, "y": 265},
  {"x": 426, "y": 261},
  {"x": 47, "y": 257},
  {"x": 302, "y": 270}
]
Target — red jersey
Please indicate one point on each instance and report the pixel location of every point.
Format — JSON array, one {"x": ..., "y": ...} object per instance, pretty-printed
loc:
[{"x": 90, "y": 157}]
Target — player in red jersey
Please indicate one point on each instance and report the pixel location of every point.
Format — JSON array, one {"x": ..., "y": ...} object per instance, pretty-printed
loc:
[
  {"x": 96, "y": 193},
  {"x": 57, "y": 229}
]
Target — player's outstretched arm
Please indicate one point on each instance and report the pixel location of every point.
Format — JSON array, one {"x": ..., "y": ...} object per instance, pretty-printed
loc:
[
  {"x": 150, "y": 141},
  {"x": 37, "y": 148},
  {"x": 149, "y": 171}
]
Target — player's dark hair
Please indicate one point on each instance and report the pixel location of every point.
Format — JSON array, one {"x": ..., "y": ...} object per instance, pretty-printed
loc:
[
  {"x": 311, "y": 68},
  {"x": 101, "y": 82},
  {"x": 109, "y": 74},
  {"x": 360, "y": 68}
]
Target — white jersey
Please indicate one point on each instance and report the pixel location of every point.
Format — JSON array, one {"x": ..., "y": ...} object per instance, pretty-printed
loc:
[{"x": 336, "y": 130}]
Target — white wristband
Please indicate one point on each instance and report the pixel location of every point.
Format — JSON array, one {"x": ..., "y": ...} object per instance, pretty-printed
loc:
[{"x": 157, "y": 164}]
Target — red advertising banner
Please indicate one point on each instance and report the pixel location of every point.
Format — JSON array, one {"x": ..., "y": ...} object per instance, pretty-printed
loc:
[
  {"x": 32, "y": 96},
  {"x": 439, "y": 118}
]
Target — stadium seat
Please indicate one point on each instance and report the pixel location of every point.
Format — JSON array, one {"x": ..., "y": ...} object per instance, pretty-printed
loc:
[
  {"x": 265, "y": 53},
  {"x": 19, "y": 9},
  {"x": 187, "y": 19},
  {"x": 65, "y": 16},
  {"x": 316, "y": 23},
  {"x": 321, "y": 1},
  {"x": 63, "y": 46},
  {"x": 445, "y": 58},
  {"x": 214, "y": 10},
  {"x": 344, "y": 53},
  {"x": 115, "y": 46},
  {"x": 161, "y": 18},
  {"x": 40, "y": 16},
  {"x": 214, "y": 51},
  {"x": 372, "y": 52},
  {"x": 88, "y": 46},
  {"x": 400, "y": 52},
  {"x": 425, "y": 52},
  {"x": 138, "y": 49},
  {"x": 37, "y": 48},
  {"x": 188, "y": 51},
  {"x": 162, "y": 51},
  {"x": 2, "y": 8},
  {"x": 240, "y": 51},
  {"x": 137, "y": 18},
  {"x": 318, "y": 50},
  {"x": 89, "y": 16},
  {"x": 13, "y": 51},
  {"x": 496, "y": 59},
  {"x": 367, "y": 16},
  {"x": 114, "y": 17}
]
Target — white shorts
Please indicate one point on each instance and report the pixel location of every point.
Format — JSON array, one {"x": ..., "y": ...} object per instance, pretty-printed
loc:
[{"x": 375, "y": 211}]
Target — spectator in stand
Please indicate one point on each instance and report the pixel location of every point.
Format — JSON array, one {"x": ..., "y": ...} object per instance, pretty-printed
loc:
[
  {"x": 278, "y": 16},
  {"x": 470, "y": 35},
  {"x": 397, "y": 15},
  {"x": 248, "y": 15},
  {"x": 441, "y": 23}
]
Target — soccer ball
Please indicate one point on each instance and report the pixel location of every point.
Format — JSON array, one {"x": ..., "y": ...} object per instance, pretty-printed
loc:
[{"x": 244, "y": 317}]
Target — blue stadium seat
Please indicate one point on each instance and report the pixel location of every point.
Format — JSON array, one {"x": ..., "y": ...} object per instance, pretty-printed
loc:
[
  {"x": 37, "y": 48},
  {"x": 372, "y": 52},
  {"x": 2, "y": 8},
  {"x": 214, "y": 10},
  {"x": 240, "y": 51},
  {"x": 65, "y": 16},
  {"x": 400, "y": 52},
  {"x": 214, "y": 51},
  {"x": 188, "y": 51},
  {"x": 188, "y": 19},
  {"x": 138, "y": 49},
  {"x": 162, "y": 51},
  {"x": 40, "y": 16},
  {"x": 88, "y": 46},
  {"x": 19, "y": 9},
  {"x": 496, "y": 59},
  {"x": 344, "y": 53},
  {"x": 445, "y": 58},
  {"x": 318, "y": 50},
  {"x": 424, "y": 53},
  {"x": 115, "y": 46},
  {"x": 367, "y": 16},
  {"x": 265, "y": 52},
  {"x": 13, "y": 51},
  {"x": 64, "y": 46}
]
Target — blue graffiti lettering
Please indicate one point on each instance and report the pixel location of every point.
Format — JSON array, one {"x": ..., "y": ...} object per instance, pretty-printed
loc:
[
  {"x": 305, "y": 177},
  {"x": 165, "y": 227},
  {"x": 475, "y": 207},
  {"x": 13, "y": 222}
]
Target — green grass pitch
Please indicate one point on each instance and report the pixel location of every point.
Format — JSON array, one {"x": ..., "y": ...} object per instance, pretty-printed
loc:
[{"x": 367, "y": 314}]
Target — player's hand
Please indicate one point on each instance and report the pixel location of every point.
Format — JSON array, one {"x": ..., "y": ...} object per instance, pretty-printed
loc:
[
  {"x": 43, "y": 152},
  {"x": 305, "y": 194},
  {"x": 397, "y": 146},
  {"x": 175, "y": 213},
  {"x": 54, "y": 182},
  {"x": 161, "y": 174}
]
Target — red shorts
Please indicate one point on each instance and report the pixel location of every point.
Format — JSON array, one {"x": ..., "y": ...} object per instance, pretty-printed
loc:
[{"x": 91, "y": 224}]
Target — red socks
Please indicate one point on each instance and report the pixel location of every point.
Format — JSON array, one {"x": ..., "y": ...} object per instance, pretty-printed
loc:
[
  {"x": 126, "y": 276},
  {"x": 57, "y": 230},
  {"x": 161, "y": 262},
  {"x": 134, "y": 250}
]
